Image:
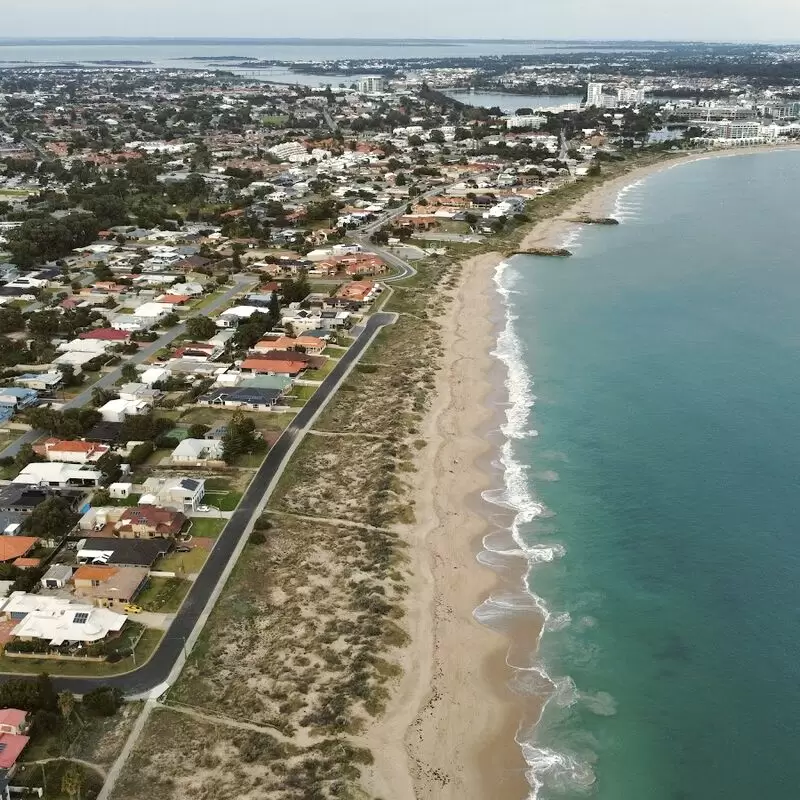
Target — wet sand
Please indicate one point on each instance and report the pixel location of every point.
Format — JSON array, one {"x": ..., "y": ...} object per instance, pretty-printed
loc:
[{"x": 449, "y": 731}]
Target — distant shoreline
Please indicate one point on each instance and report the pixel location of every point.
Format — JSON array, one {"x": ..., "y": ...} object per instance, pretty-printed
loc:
[{"x": 599, "y": 202}]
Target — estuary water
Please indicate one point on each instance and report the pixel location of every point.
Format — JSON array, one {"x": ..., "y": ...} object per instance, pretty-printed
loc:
[{"x": 654, "y": 456}]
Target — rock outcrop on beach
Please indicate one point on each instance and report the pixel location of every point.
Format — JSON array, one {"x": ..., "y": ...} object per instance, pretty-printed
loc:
[
  {"x": 585, "y": 219},
  {"x": 556, "y": 252}
]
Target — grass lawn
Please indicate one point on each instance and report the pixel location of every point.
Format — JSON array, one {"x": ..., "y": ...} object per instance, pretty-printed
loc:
[
  {"x": 35, "y": 666},
  {"x": 207, "y": 527},
  {"x": 125, "y": 502},
  {"x": 164, "y": 595},
  {"x": 320, "y": 374},
  {"x": 264, "y": 420},
  {"x": 303, "y": 392},
  {"x": 224, "y": 501},
  {"x": 155, "y": 458},
  {"x": 205, "y": 301},
  {"x": 183, "y": 563},
  {"x": 250, "y": 460}
]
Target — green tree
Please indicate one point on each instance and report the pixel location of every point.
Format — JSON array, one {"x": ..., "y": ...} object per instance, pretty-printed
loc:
[
  {"x": 239, "y": 437},
  {"x": 66, "y": 705},
  {"x": 24, "y": 456},
  {"x": 170, "y": 321},
  {"x": 198, "y": 430},
  {"x": 274, "y": 307},
  {"x": 101, "y": 396},
  {"x": 200, "y": 328},
  {"x": 51, "y": 519},
  {"x": 129, "y": 373}
]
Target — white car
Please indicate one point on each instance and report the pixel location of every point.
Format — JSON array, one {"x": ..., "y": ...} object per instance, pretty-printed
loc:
[{"x": 203, "y": 509}]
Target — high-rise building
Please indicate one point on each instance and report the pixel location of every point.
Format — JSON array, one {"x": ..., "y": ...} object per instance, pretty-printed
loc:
[
  {"x": 371, "y": 84},
  {"x": 594, "y": 95},
  {"x": 629, "y": 96}
]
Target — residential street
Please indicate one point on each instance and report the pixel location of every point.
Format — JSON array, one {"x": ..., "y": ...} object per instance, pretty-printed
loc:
[
  {"x": 109, "y": 379},
  {"x": 193, "y": 613}
]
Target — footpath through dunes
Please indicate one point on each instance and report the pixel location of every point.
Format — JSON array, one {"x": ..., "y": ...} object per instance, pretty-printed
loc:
[{"x": 309, "y": 637}]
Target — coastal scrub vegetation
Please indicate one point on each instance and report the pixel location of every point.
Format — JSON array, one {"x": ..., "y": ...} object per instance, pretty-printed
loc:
[{"x": 304, "y": 641}]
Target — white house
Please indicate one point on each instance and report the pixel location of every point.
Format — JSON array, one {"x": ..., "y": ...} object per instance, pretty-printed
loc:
[
  {"x": 233, "y": 316},
  {"x": 117, "y": 410},
  {"x": 74, "y": 360},
  {"x": 59, "y": 621},
  {"x": 97, "y": 347},
  {"x": 57, "y": 577},
  {"x": 197, "y": 451},
  {"x": 154, "y": 375},
  {"x": 58, "y": 475},
  {"x": 181, "y": 494}
]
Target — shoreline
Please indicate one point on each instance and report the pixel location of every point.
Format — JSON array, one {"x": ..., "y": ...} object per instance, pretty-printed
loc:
[
  {"x": 599, "y": 202},
  {"x": 450, "y": 728}
]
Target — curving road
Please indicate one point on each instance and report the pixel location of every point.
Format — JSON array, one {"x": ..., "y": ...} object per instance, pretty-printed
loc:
[
  {"x": 362, "y": 236},
  {"x": 167, "y": 660}
]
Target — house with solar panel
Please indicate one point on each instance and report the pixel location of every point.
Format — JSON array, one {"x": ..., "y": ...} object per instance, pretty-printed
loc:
[
  {"x": 181, "y": 494},
  {"x": 57, "y": 621}
]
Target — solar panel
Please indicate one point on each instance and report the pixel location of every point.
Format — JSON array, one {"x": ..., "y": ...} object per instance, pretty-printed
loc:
[{"x": 80, "y": 617}]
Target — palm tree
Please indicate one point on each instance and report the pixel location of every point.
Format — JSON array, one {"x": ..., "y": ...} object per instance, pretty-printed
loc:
[
  {"x": 72, "y": 782},
  {"x": 66, "y": 705}
]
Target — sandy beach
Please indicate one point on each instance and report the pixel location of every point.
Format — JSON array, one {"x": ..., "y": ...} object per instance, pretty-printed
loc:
[
  {"x": 449, "y": 729},
  {"x": 600, "y": 201}
]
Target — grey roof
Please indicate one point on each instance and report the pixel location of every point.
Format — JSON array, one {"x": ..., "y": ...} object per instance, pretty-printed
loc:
[
  {"x": 20, "y": 496},
  {"x": 130, "y": 552},
  {"x": 58, "y": 572},
  {"x": 254, "y": 396},
  {"x": 10, "y": 518}
]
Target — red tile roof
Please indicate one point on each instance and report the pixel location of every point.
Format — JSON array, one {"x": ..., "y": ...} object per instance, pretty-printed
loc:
[
  {"x": 11, "y": 746},
  {"x": 106, "y": 335},
  {"x": 14, "y": 547},
  {"x": 163, "y": 521},
  {"x": 13, "y": 717},
  {"x": 273, "y": 365},
  {"x": 27, "y": 563}
]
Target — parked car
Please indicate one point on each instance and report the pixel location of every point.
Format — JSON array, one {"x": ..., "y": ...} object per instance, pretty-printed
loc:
[{"x": 133, "y": 609}]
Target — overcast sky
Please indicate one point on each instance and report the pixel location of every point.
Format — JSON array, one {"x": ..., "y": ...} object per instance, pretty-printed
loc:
[{"x": 740, "y": 20}]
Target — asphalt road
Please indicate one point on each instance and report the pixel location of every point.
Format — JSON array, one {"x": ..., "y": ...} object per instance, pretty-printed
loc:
[
  {"x": 362, "y": 236},
  {"x": 157, "y": 670},
  {"x": 110, "y": 378}
]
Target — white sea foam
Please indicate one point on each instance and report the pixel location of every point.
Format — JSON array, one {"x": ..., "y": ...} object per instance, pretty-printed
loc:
[
  {"x": 558, "y": 622},
  {"x": 627, "y": 205},
  {"x": 545, "y": 766},
  {"x": 561, "y": 772},
  {"x": 601, "y": 703}
]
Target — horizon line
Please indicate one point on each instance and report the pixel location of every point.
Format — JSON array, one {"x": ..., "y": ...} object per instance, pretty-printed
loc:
[{"x": 382, "y": 39}]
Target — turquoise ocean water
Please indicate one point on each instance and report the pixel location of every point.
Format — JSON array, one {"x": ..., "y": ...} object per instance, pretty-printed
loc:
[{"x": 654, "y": 455}]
